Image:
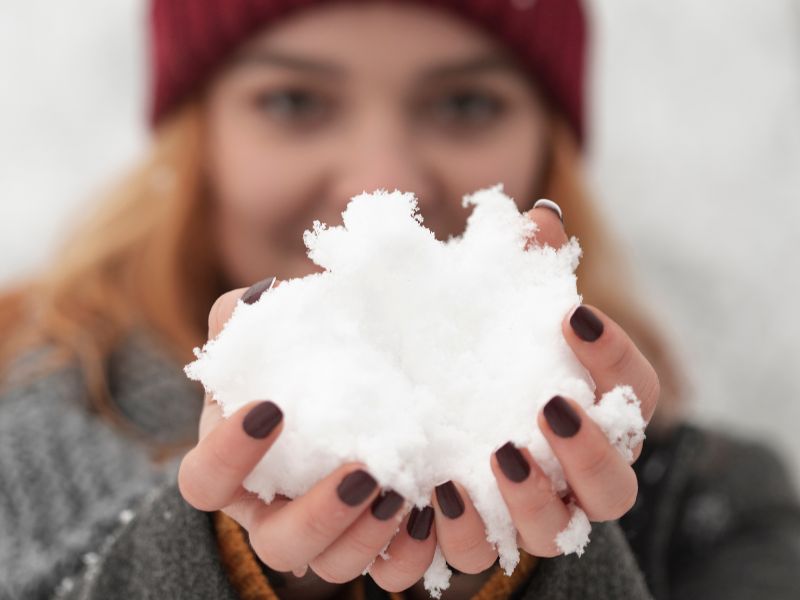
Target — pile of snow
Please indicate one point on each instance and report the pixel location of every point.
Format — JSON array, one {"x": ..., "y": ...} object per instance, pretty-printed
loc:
[{"x": 416, "y": 356}]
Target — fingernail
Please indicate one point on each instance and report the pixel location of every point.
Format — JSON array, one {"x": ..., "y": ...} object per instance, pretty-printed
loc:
[
  {"x": 262, "y": 419},
  {"x": 561, "y": 417},
  {"x": 545, "y": 203},
  {"x": 420, "y": 522},
  {"x": 585, "y": 324},
  {"x": 355, "y": 487},
  {"x": 512, "y": 463},
  {"x": 255, "y": 291},
  {"x": 386, "y": 505},
  {"x": 450, "y": 500}
]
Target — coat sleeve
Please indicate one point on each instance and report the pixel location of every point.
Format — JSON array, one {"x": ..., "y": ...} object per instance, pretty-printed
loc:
[
  {"x": 67, "y": 479},
  {"x": 168, "y": 550},
  {"x": 737, "y": 531},
  {"x": 607, "y": 570}
]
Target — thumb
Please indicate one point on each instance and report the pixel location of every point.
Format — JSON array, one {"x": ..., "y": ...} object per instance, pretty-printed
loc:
[
  {"x": 224, "y": 305},
  {"x": 220, "y": 313}
]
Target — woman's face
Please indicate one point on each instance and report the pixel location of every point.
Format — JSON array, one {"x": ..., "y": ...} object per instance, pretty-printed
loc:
[{"x": 345, "y": 98}]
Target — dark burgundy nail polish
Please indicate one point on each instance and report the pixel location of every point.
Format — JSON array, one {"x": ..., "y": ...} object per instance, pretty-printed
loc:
[
  {"x": 512, "y": 463},
  {"x": 255, "y": 291},
  {"x": 585, "y": 324},
  {"x": 386, "y": 505},
  {"x": 262, "y": 419},
  {"x": 450, "y": 500},
  {"x": 561, "y": 417},
  {"x": 420, "y": 522},
  {"x": 355, "y": 487}
]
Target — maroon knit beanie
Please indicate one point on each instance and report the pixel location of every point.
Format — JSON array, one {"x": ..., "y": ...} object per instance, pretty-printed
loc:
[{"x": 191, "y": 38}]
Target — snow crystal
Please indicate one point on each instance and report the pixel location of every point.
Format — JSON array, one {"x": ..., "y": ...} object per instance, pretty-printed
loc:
[
  {"x": 575, "y": 535},
  {"x": 66, "y": 585},
  {"x": 418, "y": 357},
  {"x": 125, "y": 516},
  {"x": 437, "y": 577}
]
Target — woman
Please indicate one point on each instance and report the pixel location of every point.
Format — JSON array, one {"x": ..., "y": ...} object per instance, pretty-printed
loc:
[{"x": 268, "y": 115}]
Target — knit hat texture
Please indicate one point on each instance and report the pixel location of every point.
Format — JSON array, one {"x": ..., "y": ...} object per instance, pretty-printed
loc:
[{"x": 190, "y": 40}]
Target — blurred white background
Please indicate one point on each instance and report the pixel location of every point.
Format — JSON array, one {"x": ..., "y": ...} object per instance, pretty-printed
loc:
[{"x": 695, "y": 157}]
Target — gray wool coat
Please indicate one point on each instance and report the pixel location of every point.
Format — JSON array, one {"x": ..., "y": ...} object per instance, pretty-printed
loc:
[{"x": 85, "y": 514}]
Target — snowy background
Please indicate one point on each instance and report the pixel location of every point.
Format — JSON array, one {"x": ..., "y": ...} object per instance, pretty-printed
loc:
[{"x": 695, "y": 157}]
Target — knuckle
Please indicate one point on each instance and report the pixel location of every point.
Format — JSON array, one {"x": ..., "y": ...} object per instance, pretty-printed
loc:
[
  {"x": 624, "y": 502},
  {"x": 191, "y": 486},
  {"x": 400, "y": 579},
  {"x": 329, "y": 572},
  {"x": 488, "y": 562},
  {"x": 387, "y": 582},
  {"x": 548, "y": 550},
  {"x": 271, "y": 553},
  {"x": 651, "y": 390},
  {"x": 318, "y": 527},
  {"x": 474, "y": 559},
  {"x": 463, "y": 551},
  {"x": 360, "y": 546},
  {"x": 223, "y": 462},
  {"x": 620, "y": 355},
  {"x": 243, "y": 508},
  {"x": 472, "y": 544},
  {"x": 595, "y": 465},
  {"x": 534, "y": 505},
  {"x": 616, "y": 504},
  {"x": 405, "y": 570},
  {"x": 533, "y": 526}
]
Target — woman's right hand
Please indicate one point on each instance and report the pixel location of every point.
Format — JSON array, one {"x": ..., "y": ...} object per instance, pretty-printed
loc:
[{"x": 337, "y": 528}]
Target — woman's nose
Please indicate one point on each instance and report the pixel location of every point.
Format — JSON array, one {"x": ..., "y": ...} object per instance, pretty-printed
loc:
[{"x": 382, "y": 157}]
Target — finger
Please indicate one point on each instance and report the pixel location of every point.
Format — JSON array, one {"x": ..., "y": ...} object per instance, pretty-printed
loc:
[
  {"x": 210, "y": 417},
  {"x": 610, "y": 356},
  {"x": 219, "y": 314},
  {"x": 600, "y": 478},
  {"x": 410, "y": 552},
  {"x": 348, "y": 556},
  {"x": 211, "y": 473},
  {"x": 460, "y": 531},
  {"x": 247, "y": 507},
  {"x": 222, "y": 310},
  {"x": 223, "y": 307},
  {"x": 300, "y": 572},
  {"x": 292, "y": 537},
  {"x": 547, "y": 216},
  {"x": 538, "y": 513}
]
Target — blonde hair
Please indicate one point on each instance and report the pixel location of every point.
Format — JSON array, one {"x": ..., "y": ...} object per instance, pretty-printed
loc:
[{"x": 145, "y": 258}]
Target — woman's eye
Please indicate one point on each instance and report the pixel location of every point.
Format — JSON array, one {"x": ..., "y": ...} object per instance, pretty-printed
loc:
[
  {"x": 293, "y": 105},
  {"x": 466, "y": 108}
]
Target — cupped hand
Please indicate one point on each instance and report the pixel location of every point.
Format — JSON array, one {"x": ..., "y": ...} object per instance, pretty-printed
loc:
[
  {"x": 602, "y": 482},
  {"x": 341, "y": 525},
  {"x": 336, "y": 529}
]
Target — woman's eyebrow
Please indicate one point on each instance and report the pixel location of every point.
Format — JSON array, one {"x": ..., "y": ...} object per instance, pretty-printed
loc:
[
  {"x": 287, "y": 61},
  {"x": 472, "y": 66}
]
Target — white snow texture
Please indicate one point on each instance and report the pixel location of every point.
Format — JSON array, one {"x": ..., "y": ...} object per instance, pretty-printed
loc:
[{"x": 417, "y": 357}]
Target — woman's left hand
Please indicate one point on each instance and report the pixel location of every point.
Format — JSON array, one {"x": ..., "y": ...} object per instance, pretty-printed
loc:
[{"x": 602, "y": 482}]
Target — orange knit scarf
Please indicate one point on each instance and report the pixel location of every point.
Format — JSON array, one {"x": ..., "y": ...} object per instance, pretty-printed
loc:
[{"x": 247, "y": 578}]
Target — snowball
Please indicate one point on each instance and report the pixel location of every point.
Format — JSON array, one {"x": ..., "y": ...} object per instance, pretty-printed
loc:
[{"x": 416, "y": 356}]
